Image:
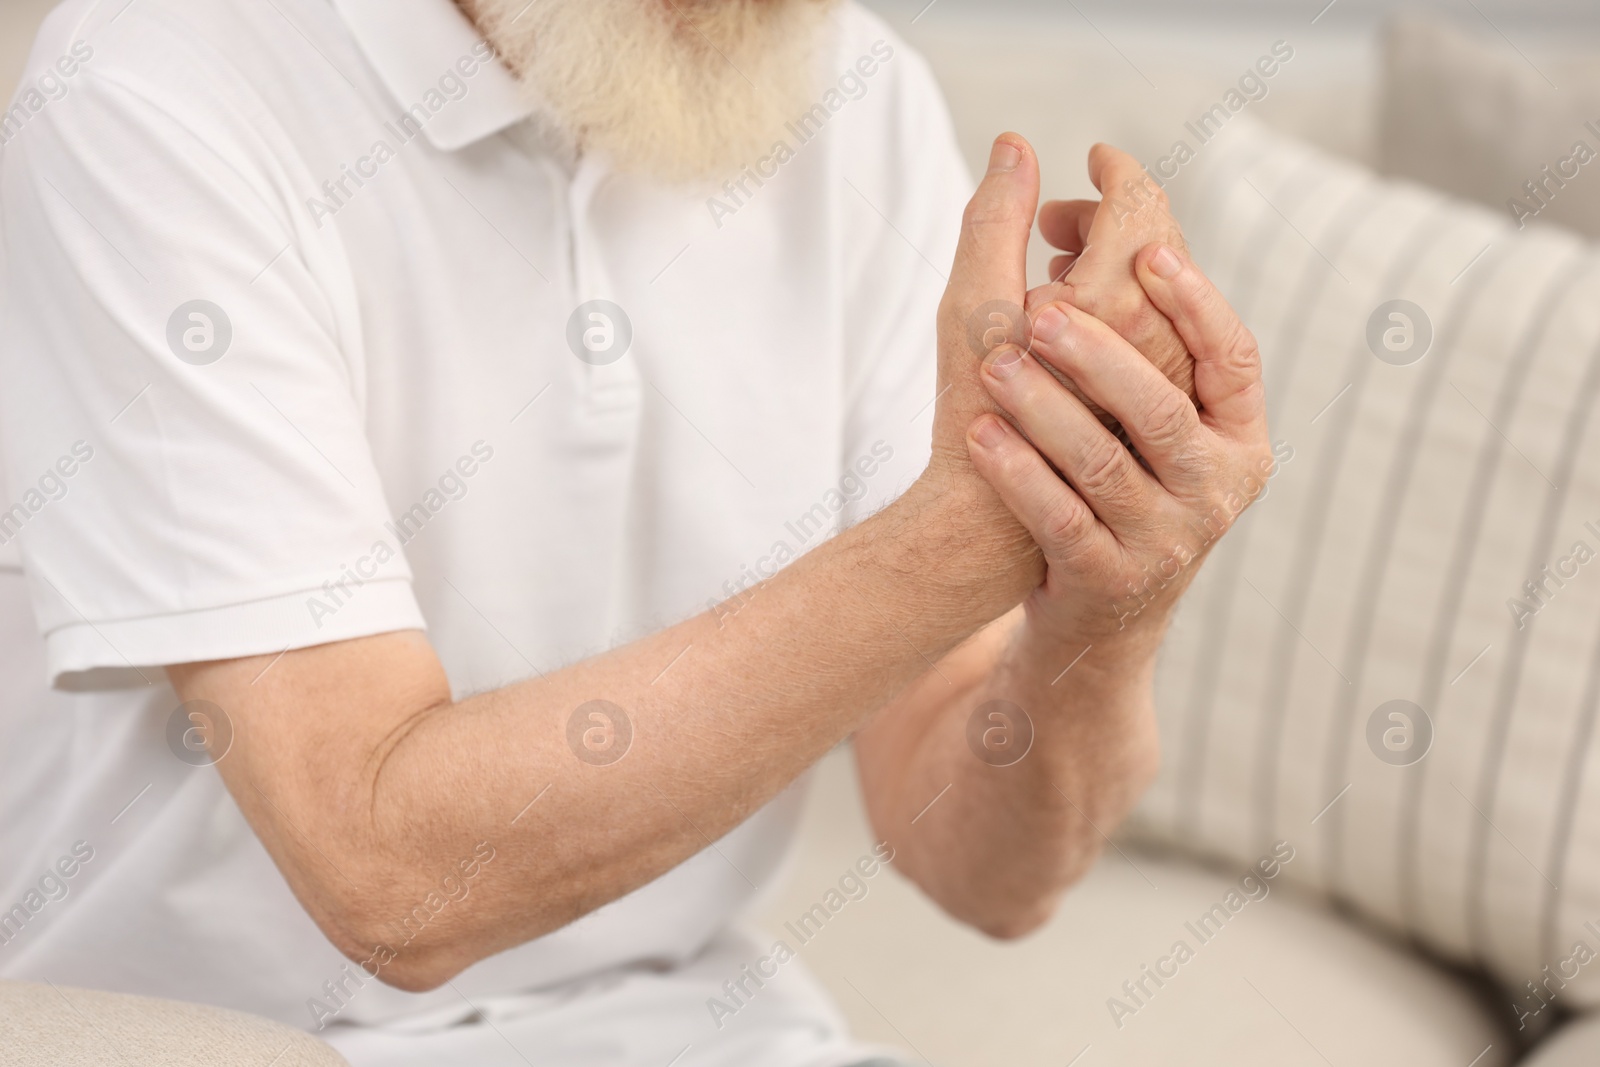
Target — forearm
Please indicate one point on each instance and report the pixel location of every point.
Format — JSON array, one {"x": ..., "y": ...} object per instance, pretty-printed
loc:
[
  {"x": 1012, "y": 826},
  {"x": 724, "y": 713},
  {"x": 1000, "y": 843}
]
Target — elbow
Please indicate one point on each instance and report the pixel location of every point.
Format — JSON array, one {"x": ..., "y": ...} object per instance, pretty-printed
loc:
[
  {"x": 1009, "y": 911},
  {"x": 416, "y": 942},
  {"x": 418, "y": 963},
  {"x": 417, "y": 973},
  {"x": 1017, "y": 921},
  {"x": 411, "y": 949},
  {"x": 413, "y": 933}
]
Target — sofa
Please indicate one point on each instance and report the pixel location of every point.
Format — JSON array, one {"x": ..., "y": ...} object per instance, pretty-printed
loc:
[{"x": 46, "y": 1025}]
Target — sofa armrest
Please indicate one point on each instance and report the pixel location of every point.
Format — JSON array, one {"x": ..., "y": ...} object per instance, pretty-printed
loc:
[{"x": 44, "y": 1025}]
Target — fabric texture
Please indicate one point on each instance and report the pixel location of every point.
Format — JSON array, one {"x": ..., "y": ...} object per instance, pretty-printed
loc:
[
  {"x": 1576, "y": 1044},
  {"x": 1426, "y": 540},
  {"x": 48, "y": 1026},
  {"x": 1472, "y": 116}
]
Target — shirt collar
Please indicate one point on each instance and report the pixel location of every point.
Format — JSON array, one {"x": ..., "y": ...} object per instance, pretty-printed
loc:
[{"x": 414, "y": 43}]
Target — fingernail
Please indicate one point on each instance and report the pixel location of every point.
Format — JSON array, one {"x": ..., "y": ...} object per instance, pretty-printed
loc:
[
  {"x": 1004, "y": 157},
  {"x": 989, "y": 433},
  {"x": 1004, "y": 363},
  {"x": 1165, "y": 262},
  {"x": 1049, "y": 325}
]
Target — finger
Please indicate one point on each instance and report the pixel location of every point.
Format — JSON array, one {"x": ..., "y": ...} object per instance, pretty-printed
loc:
[
  {"x": 1227, "y": 367},
  {"x": 1056, "y": 517},
  {"x": 991, "y": 258},
  {"x": 1129, "y": 192},
  {"x": 1116, "y": 173},
  {"x": 1065, "y": 432},
  {"x": 1060, "y": 267},
  {"x": 1056, "y": 288},
  {"x": 1065, "y": 223},
  {"x": 1159, "y": 418}
]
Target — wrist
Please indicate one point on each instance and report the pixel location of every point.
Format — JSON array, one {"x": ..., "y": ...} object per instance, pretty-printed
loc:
[
  {"x": 1105, "y": 656},
  {"x": 1092, "y": 704},
  {"x": 971, "y": 544}
]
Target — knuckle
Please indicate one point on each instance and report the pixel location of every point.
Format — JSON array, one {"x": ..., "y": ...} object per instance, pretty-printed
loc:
[
  {"x": 1235, "y": 350},
  {"x": 1107, "y": 473},
  {"x": 1064, "y": 526},
  {"x": 985, "y": 212},
  {"x": 1169, "y": 421},
  {"x": 1243, "y": 352}
]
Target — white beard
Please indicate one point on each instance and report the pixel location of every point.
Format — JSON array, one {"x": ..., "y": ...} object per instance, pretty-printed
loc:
[{"x": 677, "y": 90}]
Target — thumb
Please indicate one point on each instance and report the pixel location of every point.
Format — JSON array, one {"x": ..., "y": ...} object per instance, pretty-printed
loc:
[{"x": 991, "y": 259}]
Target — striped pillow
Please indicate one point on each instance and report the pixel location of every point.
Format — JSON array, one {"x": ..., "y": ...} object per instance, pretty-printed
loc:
[{"x": 1393, "y": 662}]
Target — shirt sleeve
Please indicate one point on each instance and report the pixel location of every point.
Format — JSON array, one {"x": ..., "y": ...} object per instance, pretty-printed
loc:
[
  {"x": 906, "y": 184},
  {"x": 182, "y": 415}
]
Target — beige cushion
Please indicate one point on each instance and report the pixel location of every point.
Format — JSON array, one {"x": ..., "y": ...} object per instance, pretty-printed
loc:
[
  {"x": 43, "y": 1025},
  {"x": 1471, "y": 115},
  {"x": 908, "y": 976},
  {"x": 1387, "y": 563},
  {"x": 1577, "y": 1044}
]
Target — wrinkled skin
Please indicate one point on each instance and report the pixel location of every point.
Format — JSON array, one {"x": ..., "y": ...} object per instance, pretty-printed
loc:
[{"x": 1098, "y": 240}]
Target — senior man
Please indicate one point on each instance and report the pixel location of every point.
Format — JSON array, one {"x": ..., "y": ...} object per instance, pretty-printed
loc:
[{"x": 426, "y": 425}]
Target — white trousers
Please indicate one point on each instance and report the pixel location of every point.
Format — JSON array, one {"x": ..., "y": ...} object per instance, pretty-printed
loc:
[{"x": 719, "y": 1010}]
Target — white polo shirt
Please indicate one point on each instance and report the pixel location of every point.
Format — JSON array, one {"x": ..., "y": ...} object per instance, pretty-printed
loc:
[{"x": 298, "y": 345}]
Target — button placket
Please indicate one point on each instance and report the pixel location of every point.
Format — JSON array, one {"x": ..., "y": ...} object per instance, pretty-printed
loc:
[{"x": 610, "y": 383}]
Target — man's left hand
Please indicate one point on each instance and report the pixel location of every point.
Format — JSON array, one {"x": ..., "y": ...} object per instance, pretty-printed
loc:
[{"x": 1122, "y": 538}]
